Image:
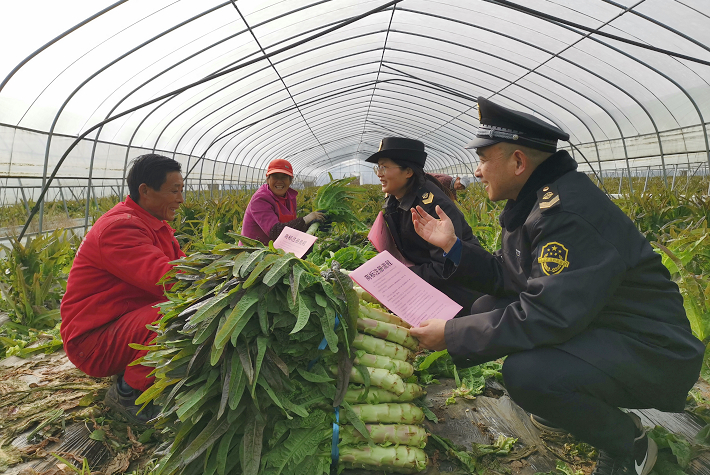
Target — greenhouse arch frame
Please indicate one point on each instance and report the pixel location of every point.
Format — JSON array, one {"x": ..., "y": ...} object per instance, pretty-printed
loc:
[{"x": 225, "y": 87}]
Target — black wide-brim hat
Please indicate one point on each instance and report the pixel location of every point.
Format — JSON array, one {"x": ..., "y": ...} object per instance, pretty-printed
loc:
[
  {"x": 403, "y": 151},
  {"x": 500, "y": 124}
]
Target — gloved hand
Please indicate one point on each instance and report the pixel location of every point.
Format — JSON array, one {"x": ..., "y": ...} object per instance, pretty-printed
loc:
[{"x": 313, "y": 216}]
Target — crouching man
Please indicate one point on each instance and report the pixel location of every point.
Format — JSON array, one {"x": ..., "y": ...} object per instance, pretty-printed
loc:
[
  {"x": 112, "y": 286},
  {"x": 577, "y": 297}
]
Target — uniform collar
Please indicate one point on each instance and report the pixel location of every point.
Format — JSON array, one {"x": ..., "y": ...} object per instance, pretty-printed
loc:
[
  {"x": 405, "y": 204},
  {"x": 516, "y": 211},
  {"x": 152, "y": 221}
]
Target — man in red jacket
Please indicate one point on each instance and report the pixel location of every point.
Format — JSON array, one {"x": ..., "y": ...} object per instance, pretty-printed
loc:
[{"x": 112, "y": 287}]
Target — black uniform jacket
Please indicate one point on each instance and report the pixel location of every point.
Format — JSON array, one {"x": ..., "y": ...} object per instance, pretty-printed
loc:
[
  {"x": 576, "y": 274},
  {"x": 429, "y": 259}
]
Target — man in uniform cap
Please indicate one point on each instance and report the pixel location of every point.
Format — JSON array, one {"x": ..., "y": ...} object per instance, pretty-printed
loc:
[{"x": 577, "y": 298}]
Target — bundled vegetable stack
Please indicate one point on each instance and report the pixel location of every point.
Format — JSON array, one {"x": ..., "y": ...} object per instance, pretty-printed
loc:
[
  {"x": 382, "y": 398},
  {"x": 244, "y": 361}
]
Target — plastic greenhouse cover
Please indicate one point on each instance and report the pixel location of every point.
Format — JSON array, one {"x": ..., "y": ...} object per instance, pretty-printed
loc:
[{"x": 329, "y": 90}]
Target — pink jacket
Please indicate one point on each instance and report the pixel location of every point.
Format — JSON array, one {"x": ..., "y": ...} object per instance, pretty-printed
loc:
[{"x": 264, "y": 210}]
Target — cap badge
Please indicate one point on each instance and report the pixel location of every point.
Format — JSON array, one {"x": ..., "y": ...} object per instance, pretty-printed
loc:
[
  {"x": 548, "y": 195},
  {"x": 546, "y": 188},
  {"x": 427, "y": 198},
  {"x": 553, "y": 258}
]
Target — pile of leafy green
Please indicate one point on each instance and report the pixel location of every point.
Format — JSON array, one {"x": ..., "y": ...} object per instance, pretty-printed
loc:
[
  {"x": 233, "y": 361},
  {"x": 349, "y": 258},
  {"x": 340, "y": 202},
  {"x": 471, "y": 461},
  {"x": 469, "y": 381}
]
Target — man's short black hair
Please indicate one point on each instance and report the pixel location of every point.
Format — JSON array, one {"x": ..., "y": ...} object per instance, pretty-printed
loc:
[{"x": 151, "y": 169}]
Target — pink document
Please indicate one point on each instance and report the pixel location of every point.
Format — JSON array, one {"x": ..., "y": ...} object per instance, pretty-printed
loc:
[
  {"x": 402, "y": 291},
  {"x": 293, "y": 240},
  {"x": 381, "y": 237}
]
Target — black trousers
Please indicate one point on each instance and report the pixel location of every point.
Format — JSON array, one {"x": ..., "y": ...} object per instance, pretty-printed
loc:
[{"x": 573, "y": 395}]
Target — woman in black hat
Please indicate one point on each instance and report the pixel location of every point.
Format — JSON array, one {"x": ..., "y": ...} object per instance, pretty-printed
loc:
[{"x": 400, "y": 168}]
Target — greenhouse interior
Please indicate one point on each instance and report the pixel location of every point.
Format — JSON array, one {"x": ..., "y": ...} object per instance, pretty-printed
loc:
[{"x": 280, "y": 377}]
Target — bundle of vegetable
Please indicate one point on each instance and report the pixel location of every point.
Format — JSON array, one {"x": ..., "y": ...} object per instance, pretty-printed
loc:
[
  {"x": 240, "y": 379},
  {"x": 382, "y": 399},
  {"x": 340, "y": 202},
  {"x": 232, "y": 356}
]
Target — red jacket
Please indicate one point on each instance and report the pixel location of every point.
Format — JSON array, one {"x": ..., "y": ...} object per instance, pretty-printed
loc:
[{"x": 116, "y": 268}]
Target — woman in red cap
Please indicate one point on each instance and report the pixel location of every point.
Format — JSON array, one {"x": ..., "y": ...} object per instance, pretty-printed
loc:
[{"x": 273, "y": 206}]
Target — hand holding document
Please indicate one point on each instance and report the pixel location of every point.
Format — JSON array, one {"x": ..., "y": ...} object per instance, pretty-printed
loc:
[
  {"x": 295, "y": 241},
  {"x": 402, "y": 291}
]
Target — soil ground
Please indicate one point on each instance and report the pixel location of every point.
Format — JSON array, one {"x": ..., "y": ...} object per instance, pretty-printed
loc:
[{"x": 48, "y": 407}]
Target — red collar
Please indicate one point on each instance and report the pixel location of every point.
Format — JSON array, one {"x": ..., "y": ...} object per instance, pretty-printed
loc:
[{"x": 154, "y": 222}]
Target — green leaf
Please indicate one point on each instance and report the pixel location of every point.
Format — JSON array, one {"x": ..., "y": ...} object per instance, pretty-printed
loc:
[
  {"x": 206, "y": 439},
  {"x": 355, "y": 421},
  {"x": 227, "y": 376},
  {"x": 262, "y": 382},
  {"x": 98, "y": 435},
  {"x": 239, "y": 316},
  {"x": 251, "y": 444},
  {"x": 250, "y": 262},
  {"x": 145, "y": 436},
  {"x": 327, "y": 322},
  {"x": 211, "y": 309},
  {"x": 321, "y": 301},
  {"x": 256, "y": 273},
  {"x": 300, "y": 444},
  {"x": 224, "y": 448},
  {"x": 303, "y": 315},
  {"x": 262, "y": 311},
  {"x": 431, "y": 358},
  {"x": 237, "y": 382},
  {"x": 278, "y": 270},
  {"x": 245, "y": 358},
  {"x": 313, "y": 377},
  {"x": 261, "y": 345},
  {"x": 297, "y": 273}
]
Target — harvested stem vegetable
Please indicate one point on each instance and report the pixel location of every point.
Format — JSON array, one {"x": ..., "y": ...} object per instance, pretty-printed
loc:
[
  {"x": 387, "y": 331},
  {"x": 376, "y": 346},
  {"x": 391, "y": 413},
  {"x": 365, "y": 295},
  {"x": 380, "y": 378},
  {"x": 379, "y": 396},
  {"x": 382, "y": 316},
  {"x": 403, "y": 458},
  {"x": 395, "y": 434},
  {"x": 392, "y": 365}
]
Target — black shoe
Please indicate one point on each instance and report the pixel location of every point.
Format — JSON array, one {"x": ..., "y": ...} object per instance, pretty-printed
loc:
[
  {"x": 122, "y": 399},
  {"x": 645, "y": 454},
  {"x": 545, "y": 425},
  {"x": 642, "y": 462}
]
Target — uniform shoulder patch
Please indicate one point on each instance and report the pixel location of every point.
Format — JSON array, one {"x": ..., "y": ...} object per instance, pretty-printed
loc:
[
  {"x": 548, "y": 197},
  {"x": 427, "y": 197},
  {"x": 553, "y": 258}
]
